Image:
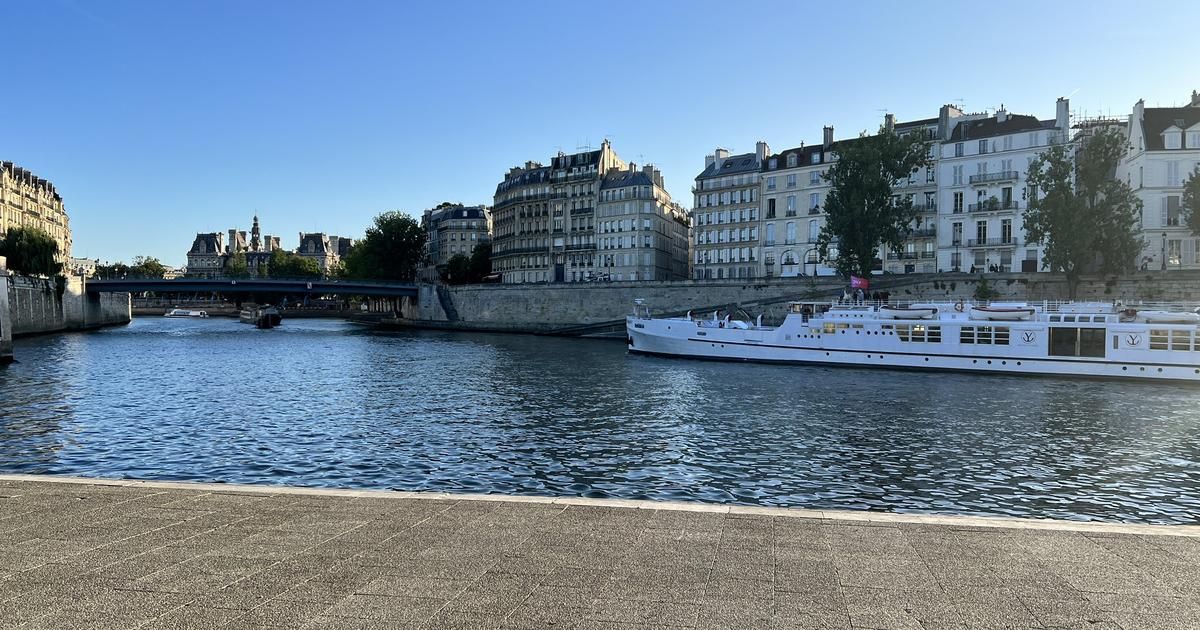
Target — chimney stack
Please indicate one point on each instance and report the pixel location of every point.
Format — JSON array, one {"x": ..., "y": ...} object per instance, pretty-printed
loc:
[
  {"x": 761, "y": 150},
  {"x": 828, "y": 137},
  {"x": 1001, "y": 114},
  {"x": 1195, "y": 98},
  {"x": 889, "y": 122},
  {"x": 1062, "y": 114}
]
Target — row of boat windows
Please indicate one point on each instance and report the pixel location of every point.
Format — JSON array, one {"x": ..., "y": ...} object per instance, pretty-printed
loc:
[
  {"x": 1172, "y": 340},
  {"x": 922, "y": 333},
  {"x": 1079, "y": 318}
]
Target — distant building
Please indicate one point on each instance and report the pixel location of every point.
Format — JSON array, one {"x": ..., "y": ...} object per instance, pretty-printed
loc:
[
  {"x": 85, "y": 267},
  {"x": 726, "y": 215},
  {"x": 1164, "y": 150},
  {"x": 316, "y": 246},
  {"x": 27, "y": 200},
  {"x": 641, "y": 234},
  {"x": 341, "y": 245},
  {"x": 172, "y": 273},
  {"x": 982, "y": 172},
  {"x": 452, "y": 230},
  {"x": 209, "y": 254},
  {"x": 543, "y": 217}
]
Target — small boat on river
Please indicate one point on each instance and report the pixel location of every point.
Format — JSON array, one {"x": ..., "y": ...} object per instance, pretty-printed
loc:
[
  {"x": 1048, "y": 339},
  {"x": 182, "y": 312},
  {"x": 265, "y": 317}
]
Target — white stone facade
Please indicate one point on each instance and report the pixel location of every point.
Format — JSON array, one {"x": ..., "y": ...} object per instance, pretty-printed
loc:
[
  {"x": 726, "y": 221},
  {"x": 641, "y": 234},
  {"x": 1164, "y": 149}
]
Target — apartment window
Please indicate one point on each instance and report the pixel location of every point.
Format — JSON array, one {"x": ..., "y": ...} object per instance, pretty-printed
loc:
[
  {"x": 814, "y": 201},
  {"x": 772, "y": 164},
  {"x": 1172, "y": 140},
  {"x": 930, "y": 201},
  {"x": 770, "y": 234},
  {"x": 1173, "y": 178},
  {"x": 958, "y": 201},
  {"x": 791, "y": 161},
  {"x": 958, "y": 175},
  {"x": 930, "y": 174},
  {"x": 983, "y": 146},
  {"x": 791, "y": 203},
  {"x": 958, "y": 149},
  {"x": 791, "y": 179},
  {"x": 956, "y": 233},
  {"x": 981, "y": 232},
  {"x": 1006, "y": 231},
  {"x": 816, "y": 158},
  {"x": 1008, "y": 143},
  {"x": 814, "y": 230},
  {"x": 770, "y": 183},
  {"x": 956, "y": 261},
  {"x": 981, "y": 168},
  {"x": 814, "y": 178},
  {"x": 1171, "y": 211},
  {"x": 1006, "y": 165},
  {"x": 1193, "y": 140},
  {"x": 791, "y": 233}
]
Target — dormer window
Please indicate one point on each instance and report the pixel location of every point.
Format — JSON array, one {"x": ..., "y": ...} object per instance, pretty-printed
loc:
[
  {"x": 1193, "y": 140},
  {"x": 773, "y": 164},
  {"x": 1172, "y": 139},
  {"x": 816, "y": 158},
  {"x": 791, "y": 160}
]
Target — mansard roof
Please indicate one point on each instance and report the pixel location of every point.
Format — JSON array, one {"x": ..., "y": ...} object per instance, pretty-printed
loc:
[
  {"x": 732, "y": 165},
  {"x": 990, "y": 127},
  {"x": 1156, "y": 120},
  {"x": 618, "y": 179}
]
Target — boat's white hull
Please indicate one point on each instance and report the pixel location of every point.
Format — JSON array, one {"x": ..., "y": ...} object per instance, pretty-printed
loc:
[{"x": 679, "y": 338}]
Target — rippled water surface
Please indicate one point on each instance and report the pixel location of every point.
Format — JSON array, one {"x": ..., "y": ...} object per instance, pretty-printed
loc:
[{"x": 327, "y": 403}]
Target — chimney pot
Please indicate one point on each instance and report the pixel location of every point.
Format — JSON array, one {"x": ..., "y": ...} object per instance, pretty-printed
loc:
[{"x": 828, "y": 137}]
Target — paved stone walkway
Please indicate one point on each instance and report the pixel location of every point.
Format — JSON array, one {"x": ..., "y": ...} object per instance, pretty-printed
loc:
[{"x": 128, "y": 555}]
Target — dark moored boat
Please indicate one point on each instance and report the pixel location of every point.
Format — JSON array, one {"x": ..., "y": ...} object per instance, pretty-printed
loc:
[{"x": 261, "y": 317}]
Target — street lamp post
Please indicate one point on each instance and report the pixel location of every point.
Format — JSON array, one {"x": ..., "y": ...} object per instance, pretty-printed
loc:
[{"x": 1164, "y": 251}]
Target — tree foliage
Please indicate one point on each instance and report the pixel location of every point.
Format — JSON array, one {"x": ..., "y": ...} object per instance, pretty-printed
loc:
[
  {"x": 1191, "y": 200},
  {"x": 114, "y": 271},
  {"x": 236, "y": 266},
  {"x": 1085, "y": 217},
  {"x": 463, "y": 269},
  {"x": 862, "y": 214},
  {"x": 30, "y": 251},
  {"x": 285, "y": 264},
  {"x": 390, "y": 250},
  {"x": 147, "y": 267}
]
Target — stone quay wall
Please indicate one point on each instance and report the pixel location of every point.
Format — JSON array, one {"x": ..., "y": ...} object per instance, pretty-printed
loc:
[
  {"x": 587, "y": 308},
  {"x": 32, "y": 306}
]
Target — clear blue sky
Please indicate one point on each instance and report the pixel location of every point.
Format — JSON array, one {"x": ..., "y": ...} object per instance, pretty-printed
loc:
[{"x": 157, "y": 120}]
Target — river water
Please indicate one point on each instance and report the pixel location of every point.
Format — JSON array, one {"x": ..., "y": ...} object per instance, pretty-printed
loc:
[{"x": 328, "y": 403}]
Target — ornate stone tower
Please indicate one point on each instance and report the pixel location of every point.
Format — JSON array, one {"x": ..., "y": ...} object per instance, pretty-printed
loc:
[{"x": 254, "y": 236}]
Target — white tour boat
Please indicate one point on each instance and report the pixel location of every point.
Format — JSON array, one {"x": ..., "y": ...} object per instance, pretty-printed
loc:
[
  {"x": 182, "y": 312},
  {"x": 1071, "y": 339}
]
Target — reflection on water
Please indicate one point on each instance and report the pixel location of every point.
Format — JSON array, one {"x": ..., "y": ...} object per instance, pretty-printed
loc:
[{"x": 326, "y": 403}]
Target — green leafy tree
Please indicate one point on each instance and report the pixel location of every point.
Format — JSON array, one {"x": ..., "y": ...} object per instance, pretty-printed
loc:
[
  {"x": 236, "y": 267},
  {"x": 147, "y": 267},
  {"x": 458, "y": 270},
  {"x": 862, "y": 213},
  {"x": 114, "y": 271},
  {"x": 1191, "y": 200},
  {"x": 30, "y": 251},
  {"x": 481, "y": 262},
  {"x": 390, "y": 250},
  {"x": 285, "y": 264},
  {"x": 1085, "y": 217}
]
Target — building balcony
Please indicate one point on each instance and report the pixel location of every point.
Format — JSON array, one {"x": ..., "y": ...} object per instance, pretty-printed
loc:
[
  {"x": 769, "y": 243},
  {"x": 902, "y": 256},
  {"x": 581, "y": 247},
  {"x": 816, "y": 210},
  {"x": 929, "y": 207},
  {"x": 991, "y": 178},
  {"x": 993, "y": 242},
  {"x": 923, "y": 233},
  {"x": 993, "y": 206},
  {"x": 582, "y": 211},
  {"x": 790, "y": 213}
]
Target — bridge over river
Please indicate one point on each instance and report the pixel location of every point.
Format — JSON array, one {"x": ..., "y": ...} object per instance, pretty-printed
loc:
[{"x": 254, "y": 285}]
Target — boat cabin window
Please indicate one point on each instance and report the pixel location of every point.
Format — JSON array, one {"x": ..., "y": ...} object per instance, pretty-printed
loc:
[
  {"x": 1171, "y": 340},
  {"x": 989, "y": 335},
  {"x": 919, "y": 333},
  {"x": 1077, "y": 342}
]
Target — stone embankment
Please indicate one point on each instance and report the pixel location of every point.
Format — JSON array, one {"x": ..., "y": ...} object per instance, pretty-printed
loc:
[
  {"x": 599, "y": 309},
  {"x": 31, "y": 306}
]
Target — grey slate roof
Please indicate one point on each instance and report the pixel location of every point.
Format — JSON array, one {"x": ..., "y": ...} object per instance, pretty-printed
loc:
[
  {"x": 990, "y": 127},
  {"x": 732, "y": 165},
  {"x": 1157, "y": 119},
  {"x": 529, "y": 177},
  {"x": 618, "y": 179}
]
